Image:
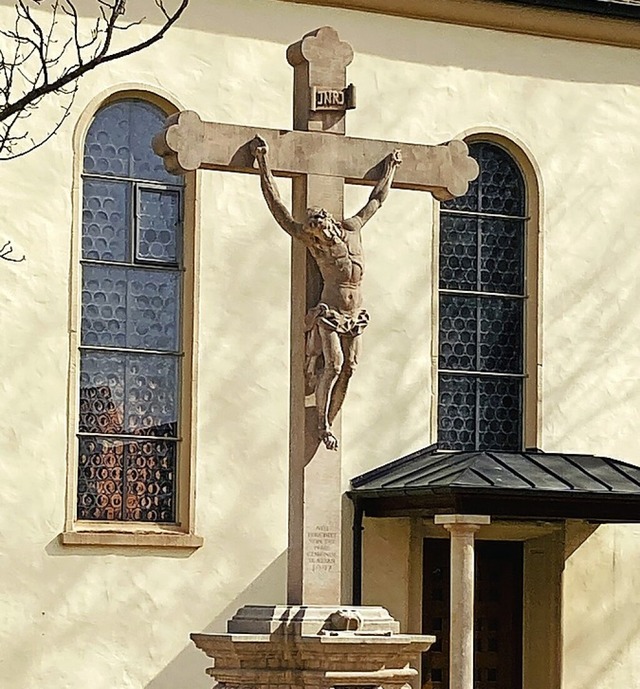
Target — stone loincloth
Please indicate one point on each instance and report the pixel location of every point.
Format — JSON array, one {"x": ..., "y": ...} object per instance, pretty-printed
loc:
[
  {"x": 334, "y": 320},
  {"x": 341, "y": 323}
]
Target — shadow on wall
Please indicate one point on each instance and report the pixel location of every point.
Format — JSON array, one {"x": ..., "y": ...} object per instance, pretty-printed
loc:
[
  {"x": 461, "y": 47},
  {"x": 187, "y": 669},
  {"x": 423, "y": 41},
  {"x": 577, "y": 532}
]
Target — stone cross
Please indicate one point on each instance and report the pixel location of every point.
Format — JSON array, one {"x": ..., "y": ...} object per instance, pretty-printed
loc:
[{"x": 320, "y": 160}]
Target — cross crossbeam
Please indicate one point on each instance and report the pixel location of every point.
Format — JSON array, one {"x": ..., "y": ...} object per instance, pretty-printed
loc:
[{"x": 187, "y": 143}]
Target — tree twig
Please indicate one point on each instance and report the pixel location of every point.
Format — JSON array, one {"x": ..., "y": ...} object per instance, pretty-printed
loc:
[
  {"x": 5, "y": 253},
  {"x": 39, "y": 59}
]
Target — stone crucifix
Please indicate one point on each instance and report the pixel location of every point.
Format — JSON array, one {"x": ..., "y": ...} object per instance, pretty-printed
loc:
[
  {"x": 324, "y": 327},
  {"x": 334, "y": 325}
]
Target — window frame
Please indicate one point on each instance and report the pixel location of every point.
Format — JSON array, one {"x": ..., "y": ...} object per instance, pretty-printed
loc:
[
  {"x": 531, "y": 342},
  {"x": 180, "y": 534}
]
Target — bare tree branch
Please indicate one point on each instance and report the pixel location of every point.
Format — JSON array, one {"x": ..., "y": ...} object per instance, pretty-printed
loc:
[
  {"x": 5, "y": 254},
  {"x": 45, "y": 51},
  {"x": 45, "y": 55},
  {"x": 39, "y": 42}
]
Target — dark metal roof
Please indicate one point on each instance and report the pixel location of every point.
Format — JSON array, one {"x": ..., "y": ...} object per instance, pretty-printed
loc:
[
  {"x": 619, "y": 9},
  {"x": 530, "y": 484}
]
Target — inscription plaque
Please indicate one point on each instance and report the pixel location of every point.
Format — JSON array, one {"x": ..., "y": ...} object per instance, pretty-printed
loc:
[
  {"x": 333, "y": 99},
  {"x": 322, "y": 546}
]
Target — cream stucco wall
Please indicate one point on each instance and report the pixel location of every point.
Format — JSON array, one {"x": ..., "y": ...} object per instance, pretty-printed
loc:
[
  {"x": 120, "y": 617},
  {"x": 386, "y": 548}
]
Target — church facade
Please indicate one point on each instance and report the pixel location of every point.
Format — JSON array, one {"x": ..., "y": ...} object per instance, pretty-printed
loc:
[{"x": 146, "y": 350}]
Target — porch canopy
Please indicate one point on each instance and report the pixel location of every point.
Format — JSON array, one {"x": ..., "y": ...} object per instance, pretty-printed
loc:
[{"x": 518, "y": 485}]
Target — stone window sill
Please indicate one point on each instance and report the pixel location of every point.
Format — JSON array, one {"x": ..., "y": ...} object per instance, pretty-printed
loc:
[{"x": 138, "y": 539}]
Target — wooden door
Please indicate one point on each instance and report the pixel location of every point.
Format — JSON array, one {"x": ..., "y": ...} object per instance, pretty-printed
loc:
[{"x": 498, "y": 614}]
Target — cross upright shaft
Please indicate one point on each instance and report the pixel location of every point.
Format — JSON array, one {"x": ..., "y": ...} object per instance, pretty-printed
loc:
[
  {"x": 319, "y": 159},
  {"x": 314, "y": 567}
]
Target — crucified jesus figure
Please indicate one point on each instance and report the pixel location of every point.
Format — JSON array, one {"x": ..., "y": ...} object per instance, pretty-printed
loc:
[{"x": 334, "y": 326}]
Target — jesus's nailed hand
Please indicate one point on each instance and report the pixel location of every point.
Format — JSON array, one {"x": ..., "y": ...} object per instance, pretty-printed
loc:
[
  {"x": 259, "y": 147},
  {"x": 396, "y": 157}
]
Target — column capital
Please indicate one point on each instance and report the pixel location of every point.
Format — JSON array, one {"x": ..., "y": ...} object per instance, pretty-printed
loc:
[{"x": 462, "y": 523}]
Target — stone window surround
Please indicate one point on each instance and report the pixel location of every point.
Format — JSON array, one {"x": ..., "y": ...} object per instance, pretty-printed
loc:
[
  {"x": 533, "y": 237},
  {"x": 484, "y": 298},
  {"x": 114, "y": 534},
  {"x": 543, "y": 543}
]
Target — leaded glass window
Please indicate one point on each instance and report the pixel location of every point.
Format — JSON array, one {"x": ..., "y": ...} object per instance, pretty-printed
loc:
[
  {"x": 482, "y": 301},
  {"x": 130, "y": 337}
]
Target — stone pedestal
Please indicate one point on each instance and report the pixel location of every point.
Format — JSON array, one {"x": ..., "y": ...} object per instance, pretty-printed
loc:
[{"x": 282, "y": 647}]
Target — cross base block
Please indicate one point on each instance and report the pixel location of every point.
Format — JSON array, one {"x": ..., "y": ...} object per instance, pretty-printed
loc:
[{"x": 287, "y": 647}]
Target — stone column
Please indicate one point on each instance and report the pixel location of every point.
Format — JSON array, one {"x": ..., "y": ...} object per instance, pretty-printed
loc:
[{"x": 462, "y": 528}]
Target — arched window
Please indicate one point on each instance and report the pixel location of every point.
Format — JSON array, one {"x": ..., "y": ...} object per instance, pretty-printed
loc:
[
  {"x": 482, "y": 294},
  {"x": 131, "y": 342}
]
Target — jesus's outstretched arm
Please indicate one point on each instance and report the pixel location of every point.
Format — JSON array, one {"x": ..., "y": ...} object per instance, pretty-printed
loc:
[
  {"x": 270, "y": 191},
  {"x": 379, "y": 193}
]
